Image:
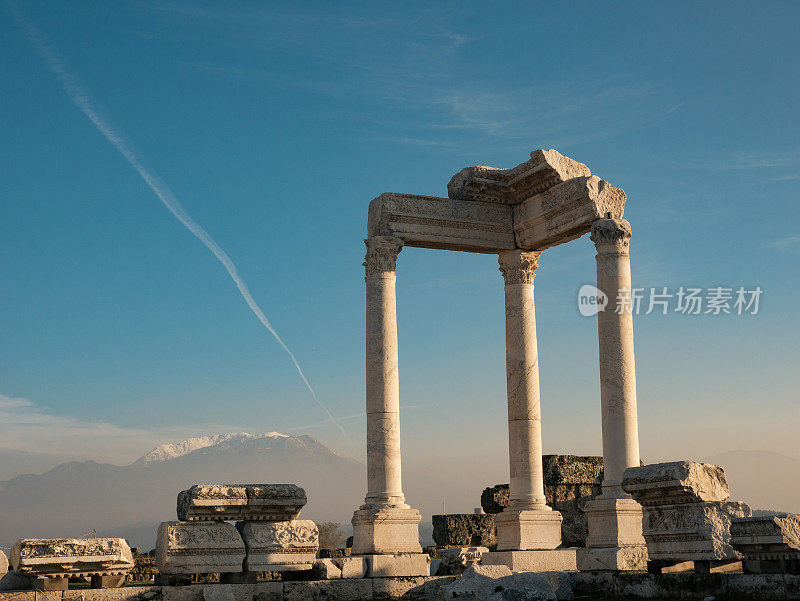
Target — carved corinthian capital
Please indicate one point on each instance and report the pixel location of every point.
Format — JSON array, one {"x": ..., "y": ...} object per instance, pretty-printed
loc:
[
  {"x": 611, "y": 236},
  {"x": 381, "y": 257},
  {"x": 519, "y": 266}
]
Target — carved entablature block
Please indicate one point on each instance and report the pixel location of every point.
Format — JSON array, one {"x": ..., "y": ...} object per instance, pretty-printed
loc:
[
  {"x": 232, "y": 502},
  {"x": 676, "y": 482},
  {"x": 565, "y": 211},
  {"x": 199, "y": 548},
  {"x": 280, "y": 546},
  {"x": 433, "y": 222},
  {"x": 767, "y": 537},
  {"x": 68, "y": 557},
  {"x": 545, "y": 169},
  {"x": 692, "y": 532}
]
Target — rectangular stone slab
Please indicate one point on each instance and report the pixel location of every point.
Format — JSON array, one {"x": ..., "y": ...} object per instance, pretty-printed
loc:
[
  {"x": 66, "y": 557},
  {"x": 676, "y": 482},
  {"x": 432, "y": 222},
  {"x": 565, "y": 212},
  {"x": 199, "y": 548},
  {"x": 766, "y": 537},
  {"x": 233, "y": 502},
  {"x": 280, "y": 546}
]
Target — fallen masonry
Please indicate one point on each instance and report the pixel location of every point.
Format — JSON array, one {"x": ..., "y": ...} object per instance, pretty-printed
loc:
[
  {"x": 234, "y": 502},
  {"x": 770, "y": 544},
  {"x": 50, "y": 562},
  {"x": 687, "y": 514},
  {"x": 491, "y": 579}
]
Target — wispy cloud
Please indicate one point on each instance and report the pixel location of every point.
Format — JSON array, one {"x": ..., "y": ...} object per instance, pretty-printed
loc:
[{"x": 787, "y": 242}]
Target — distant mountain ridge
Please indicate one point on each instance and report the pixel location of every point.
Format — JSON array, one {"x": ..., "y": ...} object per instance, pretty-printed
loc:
[
  {"x": 77, "y": 497},
  {"x": 168, "y": 451}
]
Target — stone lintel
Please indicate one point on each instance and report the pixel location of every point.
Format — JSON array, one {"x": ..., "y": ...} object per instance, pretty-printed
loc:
[
  {"x": 443, "y": 223},
  {"x": 232, "y": 502},
  {"x": 676, "y": 482},
  {"x": 565, "y": 211},
  {"x": 545, "y": 169},
  {"x": 67, "y": 557}
]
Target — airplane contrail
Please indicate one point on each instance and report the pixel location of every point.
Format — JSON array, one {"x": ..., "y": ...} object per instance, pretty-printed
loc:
[{"x": 83, "y": 101}]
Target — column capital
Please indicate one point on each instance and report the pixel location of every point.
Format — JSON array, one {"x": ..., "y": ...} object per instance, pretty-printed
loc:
[
  {"x": 519, "y": 266},
  {"x": 611, "y": 236},
  {"x": 381, "y": 257}
]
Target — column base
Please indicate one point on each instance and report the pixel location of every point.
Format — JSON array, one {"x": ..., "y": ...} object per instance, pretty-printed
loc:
[
  {"x": 528, "y": 529},
  {"x": 614, "y": 522},
  {"x": 385, "y": 529},
  {"x": 551, "y": 560},
  {"x": 613, "y": 559},
  {"x": 398, "y": 565}
]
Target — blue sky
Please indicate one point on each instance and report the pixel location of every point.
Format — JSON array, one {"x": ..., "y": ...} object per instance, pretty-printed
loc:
[{"x": 275, "y": 124}]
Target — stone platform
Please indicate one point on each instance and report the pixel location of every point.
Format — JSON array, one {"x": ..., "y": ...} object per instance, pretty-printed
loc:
[{"x": 764, "y": 587}]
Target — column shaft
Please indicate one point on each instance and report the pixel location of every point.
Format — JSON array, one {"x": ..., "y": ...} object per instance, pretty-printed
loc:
[
  {"x": 522, "y": 381},
  {"x": 617, "y": 368},
  {"x": 384, "y": 485}
]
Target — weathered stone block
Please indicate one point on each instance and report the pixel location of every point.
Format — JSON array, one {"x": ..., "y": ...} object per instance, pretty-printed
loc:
[
  {"x": 464, "y": 530},
  {"x": 199, "y": 548},
  {"x": 240, "y": 502},
  {"x": 692, "y": 531},
  {"x": 540, "y": 560},
  {"x": 398, "y": 565},
  {"x": 494, "y": 499},
  {"x": 676, "y": 482},
  {"x": 545, "y": 169},
  {"x": 768, "y": 543},
  {"x": 379, "y": 529},
  {"x": 327, "y": 590},
  {"x": 65, "y": 557},
  {"x": 353, "y": 567},
  {"x": 566, "y": 211},
  {"x": 326, "y": 569},
  {"x": 456, "y": 559},
  {"x": 3, "y": 564},
  {"x": 279, "y": 546},
  {"x": 433, "y": 222}
]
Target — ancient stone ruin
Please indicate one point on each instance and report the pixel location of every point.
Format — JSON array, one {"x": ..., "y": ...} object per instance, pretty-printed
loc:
[
  {"x": 268, "y": 536},
  {"x": 517, "y": 214},
  {"x": 687, "y": 512},
  {"x": 50, "y": 562},
  {"x": 563, "y": 527}
]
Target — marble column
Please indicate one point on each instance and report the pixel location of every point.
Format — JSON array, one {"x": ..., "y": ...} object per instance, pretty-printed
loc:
[
  {"x": 615, "y": 519},
  {"x": 527, "y": 523},
  {"x": 385, "y": 523}
]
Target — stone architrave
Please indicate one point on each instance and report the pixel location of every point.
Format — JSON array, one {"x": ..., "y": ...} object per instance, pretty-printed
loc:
[
  {"x": 444, "y": 223},
  {"x": 687, "y": 514},
  {"x": 770, "y": 544},
  {"x": 57, "y": 558},
  {"x": 240, "y": 502},
  {"x": 199, "y": 548},
  {"x": 566, "y": 211},
  {"x": 545, "y": 169},
  {"x": 464, "y": 530},
  {"x": 280, "y": 546}
]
